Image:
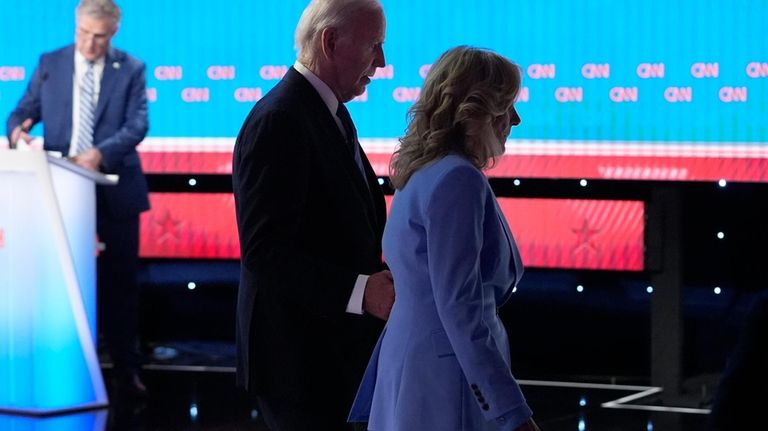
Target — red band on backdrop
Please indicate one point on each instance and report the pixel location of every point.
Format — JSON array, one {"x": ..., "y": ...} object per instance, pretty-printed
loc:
[{"x": 550, "y": 233}]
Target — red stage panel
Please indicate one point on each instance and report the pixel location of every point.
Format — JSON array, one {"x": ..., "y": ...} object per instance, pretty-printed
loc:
[
  {"x": 577, "y": 233},
  {"x": 190, "y": 225},
  {"x": 551, "y": 233}
]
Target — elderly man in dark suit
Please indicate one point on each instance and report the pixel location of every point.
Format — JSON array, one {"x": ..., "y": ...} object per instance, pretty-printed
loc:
[
  {"x": 91, "y": 99},
  {"x": 310, "y": 213}
]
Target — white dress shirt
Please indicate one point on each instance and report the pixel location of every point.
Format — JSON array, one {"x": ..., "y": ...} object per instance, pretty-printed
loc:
[{"x": 81, "y": 66}]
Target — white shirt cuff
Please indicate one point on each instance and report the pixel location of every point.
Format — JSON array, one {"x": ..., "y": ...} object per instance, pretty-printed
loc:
[{"x": 355, "y": 304}]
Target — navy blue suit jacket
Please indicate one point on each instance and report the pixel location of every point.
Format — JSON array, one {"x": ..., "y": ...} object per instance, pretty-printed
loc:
[{"x": 120, "y": 123}]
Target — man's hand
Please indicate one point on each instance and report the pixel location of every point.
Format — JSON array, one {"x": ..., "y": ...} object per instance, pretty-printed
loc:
[
  {"x": 379, "y": 295},
  {"x": 21, "y": 132},
  {"x": 89, "y": 159}
]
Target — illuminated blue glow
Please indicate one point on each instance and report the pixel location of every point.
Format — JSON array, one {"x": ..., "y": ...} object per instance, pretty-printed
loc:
[
  {"x": 83, "y": 421},
  {"x": 47, "y": 355}
]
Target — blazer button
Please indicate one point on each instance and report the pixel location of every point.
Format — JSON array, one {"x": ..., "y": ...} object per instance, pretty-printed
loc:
[
  {"x": 473, "y": 386},
  {"x": 481, "y": 399},
  {"x": 486, "y": 407},
  {"x": 501, "y": 419}
]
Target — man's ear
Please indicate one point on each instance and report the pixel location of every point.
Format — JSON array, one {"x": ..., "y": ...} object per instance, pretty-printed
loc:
[{"x": 329, "y": 38}]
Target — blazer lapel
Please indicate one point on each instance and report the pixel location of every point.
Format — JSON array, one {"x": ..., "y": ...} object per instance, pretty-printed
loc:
[
  {"x": 339, "y": 146},
  {"x": 64, "y": 85},
  {"x": 108, "y": 79},
  {"x": 373, "y": 194},
  {"x": 516, "y": 259}
]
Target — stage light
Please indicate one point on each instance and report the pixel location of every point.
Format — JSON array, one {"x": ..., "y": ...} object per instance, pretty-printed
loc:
[
  {"x": 192, "y": 182},
  {"x": 722, "y": 182},
  {"x": 579, "y": 288},
  {"x": 583, "y": 182},
  {"x": 720, "y": 235},
  {"x": 718, "y": 290},
  {"x": 191, "y": 285},
  {"x": 649, "y": 289},
  {"x": 583, "y": 401},
  {"x": 516, "y": 182},
  {"x": 381, "y": 181}
]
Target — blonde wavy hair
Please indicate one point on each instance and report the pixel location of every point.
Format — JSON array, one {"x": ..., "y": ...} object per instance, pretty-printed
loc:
[{"x": 464, "y": 91}]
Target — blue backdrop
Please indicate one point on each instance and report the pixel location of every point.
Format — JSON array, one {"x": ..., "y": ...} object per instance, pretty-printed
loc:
[{"x": 602, "y": 70}]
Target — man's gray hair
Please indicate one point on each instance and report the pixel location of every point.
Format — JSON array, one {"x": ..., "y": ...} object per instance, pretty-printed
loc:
[
  {"x": 322, "y": 14},
  {"x": 99, "y": 9}
]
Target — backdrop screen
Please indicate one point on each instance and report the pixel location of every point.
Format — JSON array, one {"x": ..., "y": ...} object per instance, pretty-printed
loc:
[{"x": 652, "y": 90}]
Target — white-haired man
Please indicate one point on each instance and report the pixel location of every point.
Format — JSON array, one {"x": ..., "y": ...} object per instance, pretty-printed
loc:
[
  {"x": 313, "y": 289},
  {"x": 92, "y": 99}
]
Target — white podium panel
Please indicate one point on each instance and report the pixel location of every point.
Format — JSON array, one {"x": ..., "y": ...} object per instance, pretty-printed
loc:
[{"x": 48, "y": 361}]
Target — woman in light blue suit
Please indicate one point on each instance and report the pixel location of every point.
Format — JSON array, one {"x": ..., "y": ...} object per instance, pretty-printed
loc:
[{"x": 443, "y": 361}]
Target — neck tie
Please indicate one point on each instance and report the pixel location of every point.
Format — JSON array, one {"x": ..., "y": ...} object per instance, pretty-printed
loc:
[
  {"x": 87, "y": 109},
  {"x": 351, "y": 135}
]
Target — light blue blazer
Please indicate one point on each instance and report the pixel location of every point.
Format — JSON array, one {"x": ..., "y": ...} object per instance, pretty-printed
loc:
[{"x": 443, "y": 361}]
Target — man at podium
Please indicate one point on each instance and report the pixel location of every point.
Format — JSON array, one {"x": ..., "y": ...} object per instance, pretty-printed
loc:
[{"x": 91, "y": 99}]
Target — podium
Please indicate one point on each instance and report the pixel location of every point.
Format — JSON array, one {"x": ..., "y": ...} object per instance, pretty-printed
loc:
[{"x": 48, "y": 360}]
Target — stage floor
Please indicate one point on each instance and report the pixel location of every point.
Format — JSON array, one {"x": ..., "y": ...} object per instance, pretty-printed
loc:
[{"x": 205, "y": 398}]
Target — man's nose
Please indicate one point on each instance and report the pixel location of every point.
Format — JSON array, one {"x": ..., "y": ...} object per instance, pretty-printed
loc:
[{"x": 379, "y": 60}]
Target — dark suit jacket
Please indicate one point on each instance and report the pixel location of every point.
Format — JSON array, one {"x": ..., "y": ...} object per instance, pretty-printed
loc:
[
  {"x": 308, "y": 226},
  {"x": 120, "y": 121}
]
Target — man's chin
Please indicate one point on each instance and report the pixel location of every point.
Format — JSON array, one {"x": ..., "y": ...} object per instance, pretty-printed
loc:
[{"x": 359, "y": 91}]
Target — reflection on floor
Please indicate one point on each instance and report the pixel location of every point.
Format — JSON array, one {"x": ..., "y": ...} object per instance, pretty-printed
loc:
[{"x": 205, "y": 398}]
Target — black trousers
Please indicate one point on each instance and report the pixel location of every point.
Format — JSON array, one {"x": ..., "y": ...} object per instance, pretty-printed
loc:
[{"x": 118, "y": 291}]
